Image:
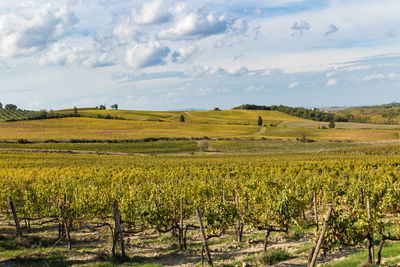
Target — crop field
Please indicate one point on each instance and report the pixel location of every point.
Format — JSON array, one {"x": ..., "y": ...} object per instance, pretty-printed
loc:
[
  {"x": 89, "y": 128},
  {"x": 245, "y": 117},
  {"x": 198, "y": 124},
  {"x": 257, "y": 210}
]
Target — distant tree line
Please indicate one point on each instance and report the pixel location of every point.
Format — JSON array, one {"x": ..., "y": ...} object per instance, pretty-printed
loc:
[{"x": 310, "y": 114}]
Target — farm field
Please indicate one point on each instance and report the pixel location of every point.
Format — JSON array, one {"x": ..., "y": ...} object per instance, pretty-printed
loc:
[
  {"x": 198, "y": 124},
  {"x": 245, "y": 117},
  {"x": 233, "y": 146},
  {"x": 270, "y": 195}
]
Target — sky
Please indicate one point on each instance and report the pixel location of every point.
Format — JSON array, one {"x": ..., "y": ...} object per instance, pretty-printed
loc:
[{"x": 170, "y": 55}]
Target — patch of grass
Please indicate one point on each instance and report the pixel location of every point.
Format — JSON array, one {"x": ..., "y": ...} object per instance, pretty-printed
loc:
[
  {"x": 248, "y": 259},
  {"x": 134, "y": 147},
  {"x": 305, "y": 248},
  {"x": 390, "y": 252},
  {"x": 274, "y": 256}
]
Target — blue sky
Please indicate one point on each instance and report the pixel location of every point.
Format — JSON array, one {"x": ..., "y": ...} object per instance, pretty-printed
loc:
[{"x": 167, "y": 54}]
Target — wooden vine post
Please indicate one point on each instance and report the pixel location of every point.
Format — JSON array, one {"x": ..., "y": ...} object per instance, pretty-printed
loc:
[
  {"x": 204, "y": 238},
  {"x": 16, "y": 220},
  {"x": 118, "y": 230},
  {"x": 65, "y": 223},
  {"x": 370, "y": 235},
  {"x": 315, "y": 250}
]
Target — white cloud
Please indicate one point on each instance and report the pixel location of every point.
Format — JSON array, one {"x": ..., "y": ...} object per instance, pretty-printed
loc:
[
  {"x": 62, "y": 54},
  {"x": 152, "y": 13},
  {"x": 266, "y": 73},
  {"x": 207, "y": 71},
  {"x": 184, "y": 54},
  {"x": 126, "y": 31},
  {"x": 147, "y": 55},
  {"x": 293, "y": 84},
  {"x": 380, "y": 76},
  {"x": 237, "y": 70},
  {"x": 356, "y": 68},
  {"x": 26, "y": 30},
  {"x": 330, "y": 74},
  {"x": 372, "y": 77},
  {"x": 331, "y": 82},
  {"x": 97, "y": 60},
  {"x": 196, "y": 25}
]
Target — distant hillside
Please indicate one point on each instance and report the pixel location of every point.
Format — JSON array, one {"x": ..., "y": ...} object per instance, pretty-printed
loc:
[
  {"x": 309, "y": 114},
  {"x": 380, "y": 114},
  {"x": 231, "y": 117}
]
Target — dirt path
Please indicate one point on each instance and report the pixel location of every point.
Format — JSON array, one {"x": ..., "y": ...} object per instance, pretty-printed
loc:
[
  {"x": 261, "y": 131},
  {"x": 187, "y": 113}
]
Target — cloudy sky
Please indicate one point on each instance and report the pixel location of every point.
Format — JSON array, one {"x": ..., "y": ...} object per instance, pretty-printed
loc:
[{"x": 167, "y": 54}]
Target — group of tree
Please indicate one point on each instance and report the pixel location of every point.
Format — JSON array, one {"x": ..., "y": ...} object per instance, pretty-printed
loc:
[
  {"x": 113, "y": 106},
  {"x": 311, "y": 114},
  {"x": 8, "y": 106}
]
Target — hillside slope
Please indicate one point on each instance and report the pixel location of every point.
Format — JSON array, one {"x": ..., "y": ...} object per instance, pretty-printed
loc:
[
  {"x": 382, "y": 114},
  {"x": 199, "y": 124},
  {"x": 243, "y": 117}
]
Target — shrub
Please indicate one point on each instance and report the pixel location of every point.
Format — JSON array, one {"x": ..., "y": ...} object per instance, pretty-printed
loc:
[
  {"x": 274, "y": 256},
  {"x": 259, "y": 121},
  {"x": 203, "y": 145}
]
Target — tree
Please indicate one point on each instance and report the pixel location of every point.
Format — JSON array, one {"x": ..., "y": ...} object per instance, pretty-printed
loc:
[
  {"x": 102, "y": 107},
  {"x": 217, "y": 109},
  {"x": 182, "y": 119},
  {"x": 331, "y": 124},
  {"x": 75, "y": 110},
  {"x": 115, "y": 106},
  {"x": 1, "y": 105},
  {"x": 260, "y": 121},
  {"x": 11, "y": 107}
]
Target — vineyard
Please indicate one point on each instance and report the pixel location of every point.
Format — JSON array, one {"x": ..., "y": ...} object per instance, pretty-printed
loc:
[
  {"x": 14, "y": 114},
  {"x": 221, "y": 209}
]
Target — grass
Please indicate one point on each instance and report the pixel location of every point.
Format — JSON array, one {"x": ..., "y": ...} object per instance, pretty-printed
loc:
[
  {"x": 274, "y": 256},
  {"x": 390, "y": 255},
  {"x": 136, "y": 147}
]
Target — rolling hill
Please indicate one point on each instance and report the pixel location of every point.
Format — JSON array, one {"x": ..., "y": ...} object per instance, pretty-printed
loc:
[
  {"x": 95, "y": 125},
  {"x": 381, "y": 114}
]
